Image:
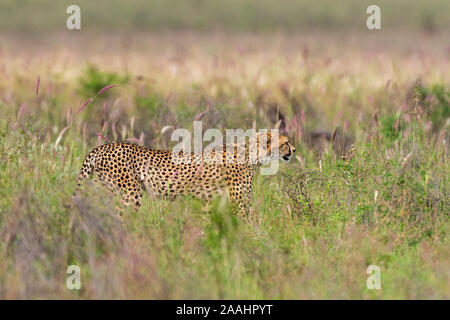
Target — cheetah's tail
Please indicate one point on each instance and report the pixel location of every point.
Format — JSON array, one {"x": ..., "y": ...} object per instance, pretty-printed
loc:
[{"x": 87, "y": 169}]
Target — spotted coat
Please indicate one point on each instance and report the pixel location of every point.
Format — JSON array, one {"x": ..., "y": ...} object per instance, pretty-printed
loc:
[{"x": 129, "y": 169}]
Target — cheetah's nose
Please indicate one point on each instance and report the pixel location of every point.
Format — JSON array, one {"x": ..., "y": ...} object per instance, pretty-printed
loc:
[{"x": 293, "y": 149}]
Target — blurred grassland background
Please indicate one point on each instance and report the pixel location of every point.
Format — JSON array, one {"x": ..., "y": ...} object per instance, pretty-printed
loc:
[
  {"x": 368, "y": 112},
  {"x": 232, "y": 15}
]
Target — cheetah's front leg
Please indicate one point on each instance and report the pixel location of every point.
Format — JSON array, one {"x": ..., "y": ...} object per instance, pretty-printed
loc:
[{"x": 239, "y": 199}]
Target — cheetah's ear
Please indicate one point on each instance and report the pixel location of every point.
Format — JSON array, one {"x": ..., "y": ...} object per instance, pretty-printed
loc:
[{"x": 278, "y": 124}]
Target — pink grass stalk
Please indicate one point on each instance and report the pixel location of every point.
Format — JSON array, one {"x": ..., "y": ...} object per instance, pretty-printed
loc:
[
  {"x": 37, "y": 84},
  {"x": 106, "y": 88},
  {"x": 84, "y": 131},
  {"x": 154, "y": 126},
  {"x": 302, "y": 116},
  {"x": 397, "y": 124},
  {"x": 407, "y": 118},
  {"x": 375, "y": 118},
  {"x": 360, "y": 117},
  {"x": 200, "y": 115},
  {"x": 440, "y": 139},
  {"x": 22, "y": 110},
  {"x": 404, "y": 106},
  {"x": 133, "y": 139},
  {"x": 104, "y": 125},
  {"x": 346, "y": 125},
  {"x": 101, "y": 137},
  {"x": 84, "y": 105}
]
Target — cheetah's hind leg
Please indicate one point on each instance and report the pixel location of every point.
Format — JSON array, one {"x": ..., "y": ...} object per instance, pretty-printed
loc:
[{"x": 132, "y": 195}]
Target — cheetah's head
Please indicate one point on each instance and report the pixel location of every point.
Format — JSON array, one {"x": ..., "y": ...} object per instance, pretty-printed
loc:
[
  {"x": 278, "y": 147},
  {"x": 285, "y": 149}
]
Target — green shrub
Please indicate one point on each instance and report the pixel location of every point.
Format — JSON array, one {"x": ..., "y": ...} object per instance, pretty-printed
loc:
[
  {"x": 93, "y": 80},
  {"x": 436, "y": 99},
  {"x": 391, "y": 128}
]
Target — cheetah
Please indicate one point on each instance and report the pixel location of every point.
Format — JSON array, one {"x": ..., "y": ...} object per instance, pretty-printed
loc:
[{"x": 130, "y": 169}]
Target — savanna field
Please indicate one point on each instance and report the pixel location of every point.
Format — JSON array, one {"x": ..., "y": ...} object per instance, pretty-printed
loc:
[{"x": 367, "y": 112}]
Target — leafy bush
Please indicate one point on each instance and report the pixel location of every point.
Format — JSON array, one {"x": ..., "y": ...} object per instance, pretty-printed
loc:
[
  {"x": 436, "y": 99},
  {"x": 391, "y": 127},
  {"x": 93, "y": 80}
]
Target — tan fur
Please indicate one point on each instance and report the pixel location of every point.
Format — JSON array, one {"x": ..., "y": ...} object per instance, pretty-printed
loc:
[{"x": 130, "y": 169}]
